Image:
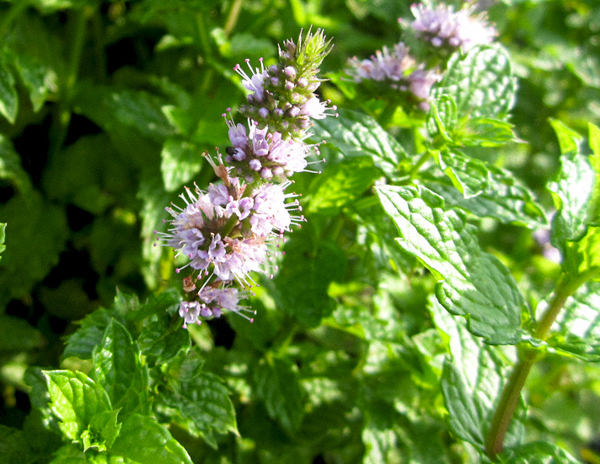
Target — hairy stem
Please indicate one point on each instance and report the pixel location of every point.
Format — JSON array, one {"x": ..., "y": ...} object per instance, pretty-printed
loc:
[{"x": 512, "y": 390}]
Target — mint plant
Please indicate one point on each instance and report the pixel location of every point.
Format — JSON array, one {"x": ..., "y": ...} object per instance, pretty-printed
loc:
[{"x": 401, "y": 203}]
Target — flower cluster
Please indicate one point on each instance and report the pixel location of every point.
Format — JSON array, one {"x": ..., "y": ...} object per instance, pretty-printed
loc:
[
  {"x": 399, "y": 76},
  {"x": 442, "y": 27},
  {"x": 230, "y": 230}
]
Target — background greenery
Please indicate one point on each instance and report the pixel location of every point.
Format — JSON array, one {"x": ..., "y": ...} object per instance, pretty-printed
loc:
[{"x": 106, "y": 107}]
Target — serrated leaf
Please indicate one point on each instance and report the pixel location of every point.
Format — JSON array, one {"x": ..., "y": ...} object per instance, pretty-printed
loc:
[
  {"x": 102, "y": 431},
  {"x": 17, "y": 335},
  {"x": 88, "y": 336},
  {"x": 471, "y": 283},
  {"x": 162, "y": 340},
  {"x": 472, "y": 381},
  {"x": 145, "y": 441},
  {"x": 9, "y": 100},
  {"x": 537, "y": 453},
  {"x": 203, "y": 402},
  {"x": 469, "y": 175},
  {"x": 309, "y": 265},
  {"x": 572, "y": 189},
  {"x": 357, "y": 134},
  {"x": 342, "y": 184},
  {"x": 576, "y": 331},
  {"x": 506, "y": 199},
  {"x": 118, "y": 369},
  {"x": 76, "y": 399},
  {"x": 481, "y": 82},
  {"x": 277, "y": 384}
]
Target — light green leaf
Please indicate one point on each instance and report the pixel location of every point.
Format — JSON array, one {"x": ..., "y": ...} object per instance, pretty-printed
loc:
[
  {"x": 537, "y": 453},
  {"x": 481, "y": 82},
  {"x": 102, "y": 431},
  {"x": 11, "y": 169},
  {"x": 469, "y": 175},
  {"x": 9, "y": 99},
  {"x": 471, "y": 283},
  {"x": 118, "y": 369},
  {"x": 278, "y": 385},
  {"x": 358, "y": 134},
  {"x": 576, "y": 331},
  {"x": 594, "y": 207},
  {"x": 2, "y": 237},
  {"x": 340, "y": 185},
  {"x": 145, "y": 441},
  {"x": 472, "y": 380},
  {"x": 572, "y": 189},
  {"x": 76, "y": 399}
]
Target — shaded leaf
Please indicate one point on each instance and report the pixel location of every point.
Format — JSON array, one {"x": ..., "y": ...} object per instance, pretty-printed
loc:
[{"x": 9, "y": 100}]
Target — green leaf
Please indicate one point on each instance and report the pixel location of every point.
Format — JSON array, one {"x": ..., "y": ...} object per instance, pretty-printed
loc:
[
  {"x": 9, "y": 100},
  {"x": 594, "y": 207},
  {"x": 203, "y": 403},
  {"x": 37, "y": 233},
  {"x": 162, "y": 340},
  {"x": 17, "y": 335},
  {"x": 342, "y": 184},
  {"x": 2, "y": 237},
  {"x": 472, "y": 380},
  {"x": 76, "y": 399},
  {"x": 15, "y": 446},
  {"x": 357, "y": 134},
  {"x": 11, "y": 169},
  {"x": 470, "y": 176},
  {"x": 537, "y": 453},
  {"x": 118, "y": 369},
  {"x": 471, "y": 283},
  {"x": 309, "y": 265},
  {"x": 576, "y": 331},
  {"x": 88, "y": 335},
  {"x": 102, "y": 431},
  {"x": 145, "y": 441},
  {"x": 572, "y": 189},
  {"x": 278, "y": 385},
  {"x": 506, "y": 199},
  {"x": 481, "y": 82},
  {"x": 181, "y": 161}
]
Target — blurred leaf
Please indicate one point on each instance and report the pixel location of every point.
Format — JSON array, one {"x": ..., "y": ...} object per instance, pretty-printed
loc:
[
  {"x": 76, "y": 399},
  {"x": 17, "y": 335},
  {"x": 118, "y": 369},
  {"x": 48, "y": 6},
  {"x": 481, "y": 82},
  {"x": 277, "y": 384},
  {"x": 2, "y": 237},
  {"x": 340, "y": 185},
  {"x": 309, "y": 265},
  {"x": 358, "y": 134},
  {"x": 145, "y": 441},
  {"x": 537, "y": 453},
  {"x": 572, "y": 189},
  {"x": 472, "y": 381},
  {"x": 471, "y": 283},
  {"x": 15, "y": 446},
  {"x": 9, "y": 100},
  {"x": 577, "y": 329},
  {"x": 181, "y": 161},
  {"x": 11, "y": 169},
  {"x": 203, "y": 403},
  {"x": 34, "y": 240}
]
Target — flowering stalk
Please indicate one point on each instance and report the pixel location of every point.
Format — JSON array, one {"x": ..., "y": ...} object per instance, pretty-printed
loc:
[{"x": 231, "y": 230}]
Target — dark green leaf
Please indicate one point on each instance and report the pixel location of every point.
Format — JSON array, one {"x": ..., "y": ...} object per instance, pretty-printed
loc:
[
  {"x": 163, "y": 340},
  {"x": 144, "y": 441},
  {"x": 15, "y": 446},
  {"x": 118, "y": 369},
  {"x": 357, "y": 134},
  {"x": 88, "y": 336},
  {"x": 342, "y": 184},
  {"x": 17, "y": 335},
  {"x": 181, "y": 161},
  {"x": 2, "y": 236},
  {"x": 277, "y": 384},
  {"x": 76, "y": 399},
  {"x": 471, "y": 283}
]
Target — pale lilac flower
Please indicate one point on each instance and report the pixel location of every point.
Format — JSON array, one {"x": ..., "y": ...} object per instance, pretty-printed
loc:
[
  {"x": 254, "y": 82},
  {"x": 443, "y": 27},
  {"x": 211, "y": 303}
]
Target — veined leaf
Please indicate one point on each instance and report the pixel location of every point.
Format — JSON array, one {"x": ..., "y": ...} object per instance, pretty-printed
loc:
[
  {"x": 357, "y": 134},
  {"x": 537, "y": 453},
  {"x": 472, "y": 380},
  {"x": 481, "y": 82},
  {"x": 471, "y": 283},
  {"x": 145, "y": 441},
  {"x": 469, "y": 175},
  {"x": 118, "y": 369},
  {"x": 278, "y": 385},
  {"x": 572, "y": 189},
  {"x": 76, "y": 399}
]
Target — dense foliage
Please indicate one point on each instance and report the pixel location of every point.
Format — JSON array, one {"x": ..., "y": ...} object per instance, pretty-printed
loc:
[{"x": 439, "y": 302}]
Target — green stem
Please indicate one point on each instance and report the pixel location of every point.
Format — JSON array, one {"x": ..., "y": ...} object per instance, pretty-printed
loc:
[
  {"x": 15, "y": 10},
  {"x": 511, "y": 393},
  {"x": 387, "y": 114},
  {"x": 420, "y": 162},
  {"x": 234, "y": 14}
]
